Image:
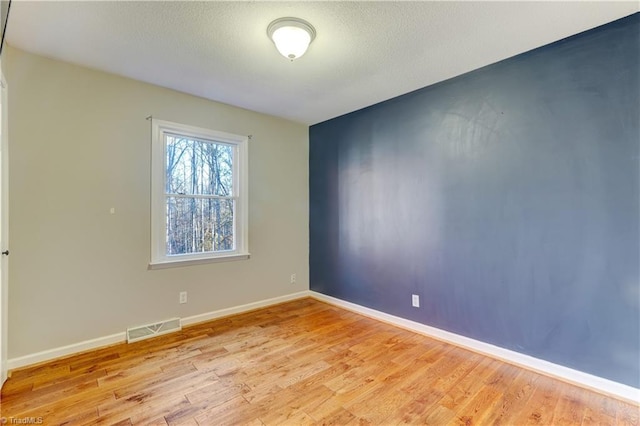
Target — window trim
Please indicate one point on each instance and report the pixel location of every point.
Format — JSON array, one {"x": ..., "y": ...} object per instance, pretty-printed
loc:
[{"x": 159, "y": 257}]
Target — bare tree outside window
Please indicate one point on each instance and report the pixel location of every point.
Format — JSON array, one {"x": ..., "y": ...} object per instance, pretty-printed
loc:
[{"x": 199, "y": 196}]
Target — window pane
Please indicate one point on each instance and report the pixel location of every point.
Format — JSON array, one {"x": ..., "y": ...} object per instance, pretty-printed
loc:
[
  {"x": 198, "y": 167},
  {"x": 196, "y": 225}
]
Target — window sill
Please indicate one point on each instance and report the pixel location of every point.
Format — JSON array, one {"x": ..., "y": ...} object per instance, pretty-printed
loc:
[{"x": 188, "y": 262}]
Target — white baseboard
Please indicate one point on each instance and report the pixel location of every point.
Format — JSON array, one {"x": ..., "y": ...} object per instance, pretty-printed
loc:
[
  {"x": 99, "y": 342},
  {"x": 243, "y": 308},
  {"x": 74, "y": 348},
  {"x": 569, "y": 375}
]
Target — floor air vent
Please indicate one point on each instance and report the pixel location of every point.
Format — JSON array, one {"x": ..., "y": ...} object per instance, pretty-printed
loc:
[{"x": 151, "y": 330}]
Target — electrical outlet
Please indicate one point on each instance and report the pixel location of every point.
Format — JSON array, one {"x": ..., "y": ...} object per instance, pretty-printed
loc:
[
  {"x": 183, "y": 297},
  {"x": 293, "y": 278},
  {"x": 415, "y": 300}
]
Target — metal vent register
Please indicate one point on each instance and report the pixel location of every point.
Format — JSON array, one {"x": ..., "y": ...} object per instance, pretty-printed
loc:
[{"x": 151, "y": 330}]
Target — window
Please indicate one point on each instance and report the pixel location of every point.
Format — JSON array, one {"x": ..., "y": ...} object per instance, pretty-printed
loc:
[{"x": 198, "y": 195}]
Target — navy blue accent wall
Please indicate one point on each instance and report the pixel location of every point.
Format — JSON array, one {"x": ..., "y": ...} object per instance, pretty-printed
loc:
[{"x": 507, "y": 198}]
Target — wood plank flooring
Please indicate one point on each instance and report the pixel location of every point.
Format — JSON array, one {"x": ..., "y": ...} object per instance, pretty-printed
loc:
[{"x": 301, "y": 362}]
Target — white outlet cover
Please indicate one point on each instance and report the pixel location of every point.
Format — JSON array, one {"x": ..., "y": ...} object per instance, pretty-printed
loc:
[{"x": 415, "y": 300}]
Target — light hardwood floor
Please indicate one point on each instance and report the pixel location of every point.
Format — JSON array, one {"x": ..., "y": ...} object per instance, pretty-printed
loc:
[{"x": 301, "y": 362}]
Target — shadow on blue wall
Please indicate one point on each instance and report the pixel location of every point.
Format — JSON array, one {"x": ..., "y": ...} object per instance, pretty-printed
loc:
[{"x": 507, "y": 198}]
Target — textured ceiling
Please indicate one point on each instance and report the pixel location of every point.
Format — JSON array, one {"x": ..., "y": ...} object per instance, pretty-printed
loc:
[{"x": 364, "y": 52}]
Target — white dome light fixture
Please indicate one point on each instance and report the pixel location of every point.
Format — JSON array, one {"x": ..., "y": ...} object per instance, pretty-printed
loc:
[{"x": 291, "y": 36}]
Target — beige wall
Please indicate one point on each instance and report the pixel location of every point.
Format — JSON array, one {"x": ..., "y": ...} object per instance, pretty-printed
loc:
[{"x": 79, "y": 145}]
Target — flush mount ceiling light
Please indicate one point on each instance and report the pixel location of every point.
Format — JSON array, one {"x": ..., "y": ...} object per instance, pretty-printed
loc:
[{"x": 291, "y": 36}]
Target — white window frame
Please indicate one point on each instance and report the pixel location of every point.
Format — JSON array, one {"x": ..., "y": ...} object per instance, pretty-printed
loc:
[{"x": 159, "y": 257}]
